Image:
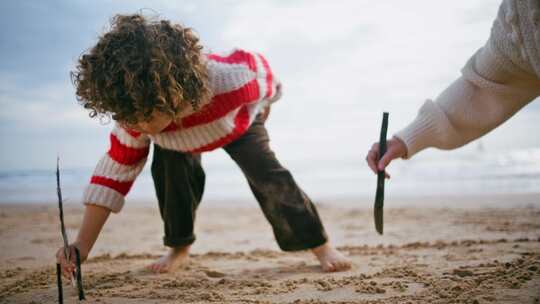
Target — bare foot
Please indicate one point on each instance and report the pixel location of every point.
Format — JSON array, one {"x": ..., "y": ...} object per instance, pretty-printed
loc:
[
  {"x": 171, "y": 261},
  {"x": 331, "y": 260}
]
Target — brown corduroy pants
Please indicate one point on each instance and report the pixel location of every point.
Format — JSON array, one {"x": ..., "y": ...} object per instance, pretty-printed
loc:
[{"x": 179, "y": 182}]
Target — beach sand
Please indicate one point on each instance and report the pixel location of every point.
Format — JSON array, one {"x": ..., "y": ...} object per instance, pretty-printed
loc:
[{"x": 476, "y": 250}]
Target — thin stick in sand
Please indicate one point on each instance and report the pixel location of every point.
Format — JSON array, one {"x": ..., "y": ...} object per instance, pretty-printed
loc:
[{"x": 66, "y": 246}]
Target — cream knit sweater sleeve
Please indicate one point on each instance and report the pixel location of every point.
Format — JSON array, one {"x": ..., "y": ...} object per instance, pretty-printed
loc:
[{"x": 497, "y": 81}]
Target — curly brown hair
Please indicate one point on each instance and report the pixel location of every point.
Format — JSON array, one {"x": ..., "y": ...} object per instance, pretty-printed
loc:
[{"x": 140, "y": 66}]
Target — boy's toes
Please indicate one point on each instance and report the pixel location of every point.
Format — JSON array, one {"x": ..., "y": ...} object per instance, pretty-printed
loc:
[
  {"x": 330, "y": 259},
  {"x": 155, "y": 268},
  {"x": 328, "y": 267},
  {"x": 337, "y": 265}
]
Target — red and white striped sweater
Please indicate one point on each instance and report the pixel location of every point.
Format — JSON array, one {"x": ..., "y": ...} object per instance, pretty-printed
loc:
[{"x": 242, "y": 84}]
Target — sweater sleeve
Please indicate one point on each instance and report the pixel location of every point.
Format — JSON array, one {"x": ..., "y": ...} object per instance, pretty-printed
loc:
[
  {"x": 270, "y": 86},
  {"x": 117, "y": 169},
  {"x": 492, "y": 89}
]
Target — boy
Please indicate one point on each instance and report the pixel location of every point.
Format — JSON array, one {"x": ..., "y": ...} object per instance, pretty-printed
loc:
[{"x": 154, "y": 81}]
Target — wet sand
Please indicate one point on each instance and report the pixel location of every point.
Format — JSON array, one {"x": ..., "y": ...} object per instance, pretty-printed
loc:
[{"x": 466, "y": 254}]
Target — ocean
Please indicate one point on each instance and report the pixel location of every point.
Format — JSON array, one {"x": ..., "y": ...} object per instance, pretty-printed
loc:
[{"x": 471, "y": 172}]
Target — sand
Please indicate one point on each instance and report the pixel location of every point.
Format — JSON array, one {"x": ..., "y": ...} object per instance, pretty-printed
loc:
[{"x": 465, "y": 254}]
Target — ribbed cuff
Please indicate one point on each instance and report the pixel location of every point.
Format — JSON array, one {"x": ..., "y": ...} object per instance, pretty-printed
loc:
[
  {"x": 103, "y": 196},
  {"x": 424, "y": 131}
]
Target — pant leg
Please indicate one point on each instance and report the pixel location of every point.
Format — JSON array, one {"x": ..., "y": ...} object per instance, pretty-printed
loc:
[
  {"x": 291, "y": 213},
  {"x": 179, "y": 184}
]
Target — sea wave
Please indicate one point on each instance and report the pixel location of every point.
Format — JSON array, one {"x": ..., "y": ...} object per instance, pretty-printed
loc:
[{"x": 475, "y": 172}]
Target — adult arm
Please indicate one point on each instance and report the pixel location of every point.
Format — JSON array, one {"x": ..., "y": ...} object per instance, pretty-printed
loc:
[
  {"x": 497, "y": 81},
  {"x": 486, "y": 95}
]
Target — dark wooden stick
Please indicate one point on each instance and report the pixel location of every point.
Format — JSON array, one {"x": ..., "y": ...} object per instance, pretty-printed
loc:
[
  {"x": 60, "y": 207},
  {"x": 59, "y": 284},
  {"x": 379, "y": 195},
  {"x": 63, "y": 231},
  {"x": 79, "y": 274}
]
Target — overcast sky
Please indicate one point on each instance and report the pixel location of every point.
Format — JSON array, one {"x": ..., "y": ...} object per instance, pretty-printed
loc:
[{"x": 341, "y": 62}]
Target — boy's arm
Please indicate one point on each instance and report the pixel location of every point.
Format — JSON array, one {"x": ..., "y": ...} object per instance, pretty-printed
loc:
[
  {"x": 117, "y": 169},
  {"x": 93, "y": 221},
  {"x": 111, "y": 181}
]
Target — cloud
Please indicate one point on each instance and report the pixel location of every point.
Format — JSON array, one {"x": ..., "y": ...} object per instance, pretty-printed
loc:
[
  {"x": 365, "y": 53},
  {"x": 47, "y": 106}
]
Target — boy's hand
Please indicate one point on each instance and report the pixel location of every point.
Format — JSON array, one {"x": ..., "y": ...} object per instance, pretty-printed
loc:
[
  {"x": 265, "y": 113},
  {"x": 277, "y": 95},
  {"x": 395, "y": 148},
  {"x": 68, "y": 267}
]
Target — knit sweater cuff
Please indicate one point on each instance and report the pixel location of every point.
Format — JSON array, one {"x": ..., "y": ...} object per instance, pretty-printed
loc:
[
  {"x": 424, "y": 131},
  {"x": 103, "y": 196}
]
